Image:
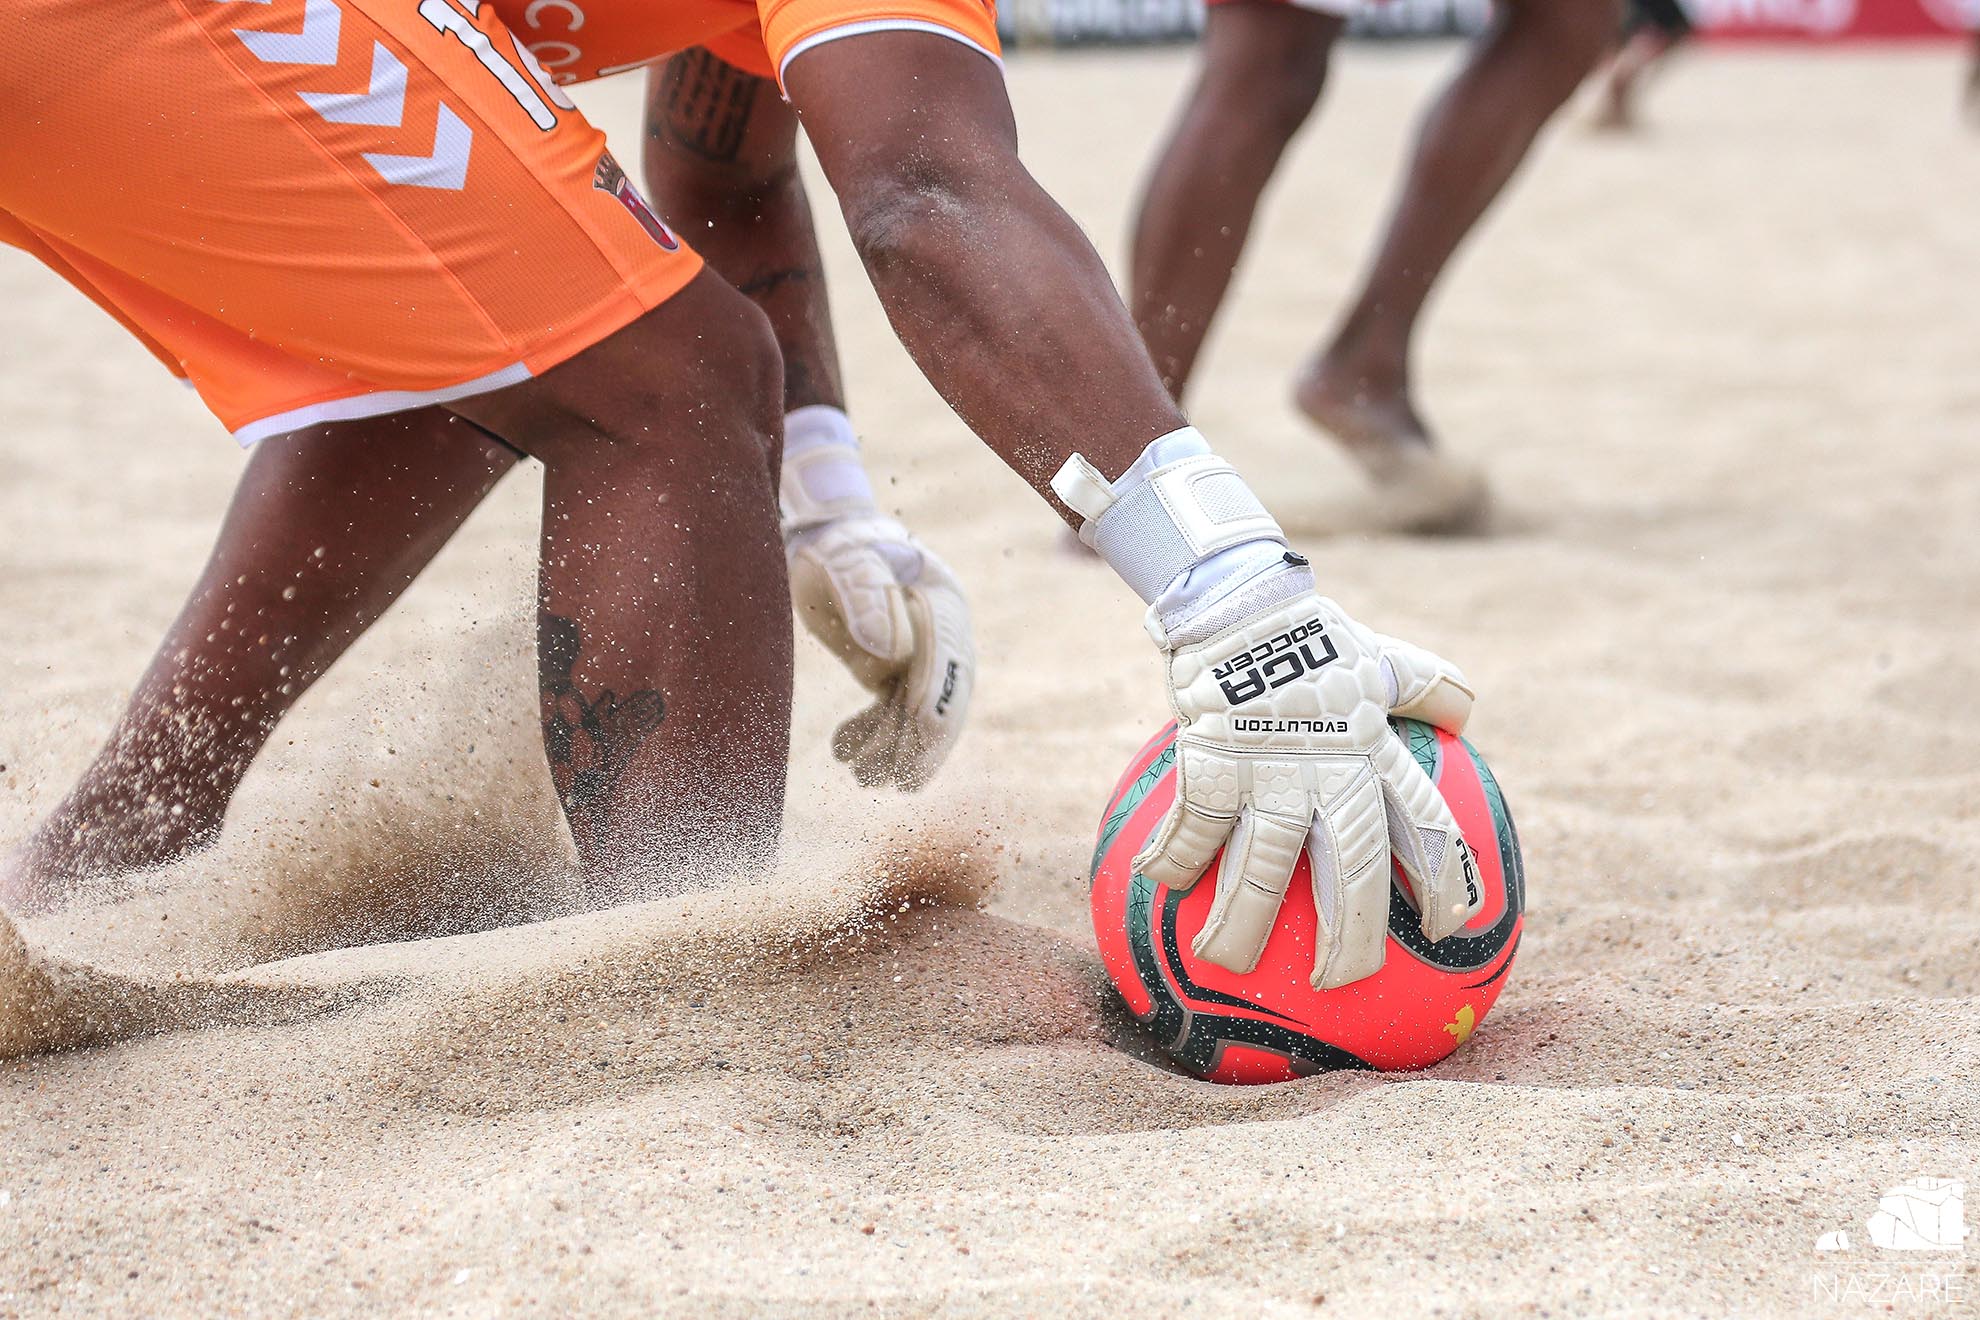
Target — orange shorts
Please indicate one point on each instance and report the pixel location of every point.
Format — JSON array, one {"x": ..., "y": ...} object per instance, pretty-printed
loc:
[
  {"x": 577, "y": 40},
  {"x": 320, "y": 209},
  {"x": 317, "y": 210}
]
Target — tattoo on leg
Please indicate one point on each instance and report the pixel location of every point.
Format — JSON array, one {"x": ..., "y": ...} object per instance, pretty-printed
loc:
[
  {"x": 772, "y": 280},
  {"x": 705, "y": 104},
  {"x": 591, "y": 740}
]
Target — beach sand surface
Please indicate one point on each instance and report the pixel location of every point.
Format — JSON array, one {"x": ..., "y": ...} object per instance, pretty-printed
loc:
[{"x": 1723, "y": 375}]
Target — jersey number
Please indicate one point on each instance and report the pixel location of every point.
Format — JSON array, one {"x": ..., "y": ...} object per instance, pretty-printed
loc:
[{"x": 526, "y": 91}]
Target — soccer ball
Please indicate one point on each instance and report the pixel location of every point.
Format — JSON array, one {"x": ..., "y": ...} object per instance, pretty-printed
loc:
[{"x": 1271, "y": 1024}]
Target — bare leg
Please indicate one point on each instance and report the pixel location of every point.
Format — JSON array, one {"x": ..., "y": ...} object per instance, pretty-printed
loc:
[
  {"x": 662, "y": 574},
  {"x": 992, "y": 288},
  {"x": 1262, "y": 69},
  {"x": 326, "y": 528},
  {"x": 721, "y": 157},
  {"x": 1973, "y": 81},
  {"x": 664, "y": 630},
  {"x": 1469, "y": 146},
  {"x": 1644, "y": 48}
]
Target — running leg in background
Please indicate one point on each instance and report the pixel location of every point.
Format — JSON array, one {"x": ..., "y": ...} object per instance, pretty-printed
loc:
[
  {"x": 1641, "y": 51},
  {"x": 1262, "y": 66},
  {"x": 326, "y": 528},
  {"x": 1653, "y": 30},
  {"x": 1467, "y": 149}
]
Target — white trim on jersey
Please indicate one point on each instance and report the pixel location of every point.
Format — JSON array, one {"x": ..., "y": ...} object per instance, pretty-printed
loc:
[
  {"x": 352, "y": 407},
  {"x": 865, "y": 26}
]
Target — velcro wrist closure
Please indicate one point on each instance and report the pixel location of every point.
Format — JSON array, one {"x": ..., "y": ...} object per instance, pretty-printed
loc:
[
  {"x": 1085, "y": 490},
  {"x": 821, "y": 483},
  {"x": 1181, "y": 514}
]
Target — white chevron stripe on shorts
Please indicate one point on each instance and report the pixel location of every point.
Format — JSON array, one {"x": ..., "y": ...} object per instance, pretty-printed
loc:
[
  {"x": 446, "y": 168},
  {"x": 323, "y": 24},
  {"x": 383, "y": 102},
  {"x": 383, "y": 105}
]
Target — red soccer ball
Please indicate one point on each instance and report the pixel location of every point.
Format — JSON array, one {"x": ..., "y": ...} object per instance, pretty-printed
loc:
[{"x": 1271, "y": 1025}]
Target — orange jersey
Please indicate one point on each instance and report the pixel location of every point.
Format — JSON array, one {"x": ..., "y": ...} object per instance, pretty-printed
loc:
[
  {"x": 578, "y": 40},
  {"x": 317, "y": 210}
]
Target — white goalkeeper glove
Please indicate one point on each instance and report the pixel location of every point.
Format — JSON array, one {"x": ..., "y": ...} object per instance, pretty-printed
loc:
[
  {"x": 880, "y": 601},
  {"x": 1282, "y": 705}
]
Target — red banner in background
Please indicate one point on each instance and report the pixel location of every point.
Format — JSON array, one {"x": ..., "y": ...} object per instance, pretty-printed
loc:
[{"x": 1834, "y": 20}]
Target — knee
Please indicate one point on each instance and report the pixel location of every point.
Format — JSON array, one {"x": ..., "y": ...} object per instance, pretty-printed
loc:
[
  {"x": 1262, "y": 75},
  {"x": 1284, "y": 105},
  {"x": 1271, "y": 99},
  {"x": 703, "y": 370},
  {"x": 749, "y": 379}
]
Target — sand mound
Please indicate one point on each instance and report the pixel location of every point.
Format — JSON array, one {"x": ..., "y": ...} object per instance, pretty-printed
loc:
[
  {"x": 1720, "y": 637},
  {"x": 50, "y": 1003},
  {"x": 801, "y": 980}
]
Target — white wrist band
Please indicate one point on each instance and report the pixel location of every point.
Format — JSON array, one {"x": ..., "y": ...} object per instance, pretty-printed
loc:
[
  {"x": 822, "y": 475},
  {"x": 1163, "y": 518}
]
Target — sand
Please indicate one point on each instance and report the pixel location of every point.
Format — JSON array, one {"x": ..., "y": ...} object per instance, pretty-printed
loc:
[{"x": 1723, "y": 376}]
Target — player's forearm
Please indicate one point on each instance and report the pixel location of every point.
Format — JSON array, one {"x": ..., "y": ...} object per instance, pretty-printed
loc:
[
  {"x": 1003, "y": 303},
  {"x": 1012, "y": 316}
]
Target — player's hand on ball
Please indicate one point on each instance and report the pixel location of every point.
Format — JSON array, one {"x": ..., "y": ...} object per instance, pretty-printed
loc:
[
  {"x": 895, "y": 615},
  {"x": 1284, "y": 745}
]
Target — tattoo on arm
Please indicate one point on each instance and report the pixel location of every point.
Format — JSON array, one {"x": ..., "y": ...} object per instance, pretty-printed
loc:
[
  {"x": 591, "y": 740},
  {"x": 704, "y": 104}
]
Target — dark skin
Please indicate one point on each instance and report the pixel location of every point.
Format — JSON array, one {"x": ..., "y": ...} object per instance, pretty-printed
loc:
[
  {"x": 1262, "y": 71},
  {"x": 991, "y": 287},
  {"x": 995, "y": 293},
  {"x": 664, "y": 635},
  {"x": 664, "y": 642},
  {"x": 723, "y": 152},
  {"x": 946, "y": 219},
  {"x": 721, "y": 163},
  {"x": 267, "y": 617}
]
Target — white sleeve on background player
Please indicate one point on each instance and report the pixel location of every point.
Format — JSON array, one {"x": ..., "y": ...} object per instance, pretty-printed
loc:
[
  {"x": 879, "y": 600},
  {"x": 1282, "y": 704}
]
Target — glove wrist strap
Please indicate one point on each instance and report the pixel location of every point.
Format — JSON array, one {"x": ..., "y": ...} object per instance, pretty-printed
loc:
[
  {"x": 1178, "y": 506},
  {"x": 823, "y": 478}
]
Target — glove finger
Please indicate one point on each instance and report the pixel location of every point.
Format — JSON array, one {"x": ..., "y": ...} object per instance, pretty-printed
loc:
[
  {"x": 1350, "y": 850},
  {"x": 873, "y": 761},
  {"x": 1428, "y": 843},
  {"x": 856, "y": 732},
  {"x": 939, "y": 683},
  {"x": 1191, "y": 832},
  {"x": 1251, "y": 887},
  {"x": 1425, "y": 686}
]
